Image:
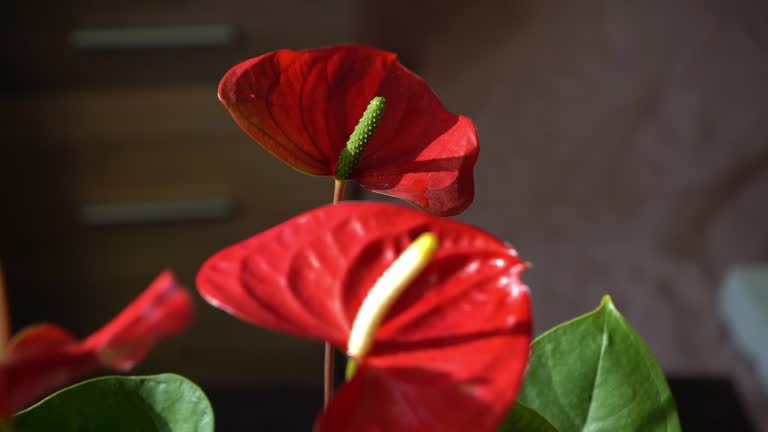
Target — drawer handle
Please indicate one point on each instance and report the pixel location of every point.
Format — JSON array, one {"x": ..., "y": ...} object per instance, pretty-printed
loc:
[
  {"x": 152, "y": 37},
  {"x": 154, "y": 212}
]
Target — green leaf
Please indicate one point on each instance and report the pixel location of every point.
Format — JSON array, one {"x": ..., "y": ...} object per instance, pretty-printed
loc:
[
  {"x": 162, "y": 403},
  {"x": 594, "y": 373},
  {"x": 524, "y": 419}
]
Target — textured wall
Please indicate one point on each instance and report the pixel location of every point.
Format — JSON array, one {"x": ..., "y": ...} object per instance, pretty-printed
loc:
[{"x": 624, "y": 150}]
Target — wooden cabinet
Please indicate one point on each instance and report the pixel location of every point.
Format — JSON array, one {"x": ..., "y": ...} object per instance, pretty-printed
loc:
[{"x": 144, "y": 127}]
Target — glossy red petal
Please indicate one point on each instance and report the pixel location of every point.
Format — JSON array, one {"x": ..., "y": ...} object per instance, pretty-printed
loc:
[
  {"x": 162, "y": 310},
  {"x": 287, "y": 278},
  {"x": 466, "y": 318},
  {"x": 463, "y": 325},
  {"x": 303, "y": 105},
  {"x": 409, "y": 399},
  {"x": 40, "y": 358},
  {"x": 439, "y": 179}
]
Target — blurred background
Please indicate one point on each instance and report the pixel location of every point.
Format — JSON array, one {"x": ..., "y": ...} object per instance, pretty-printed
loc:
[{"x": 624, "y": 151}]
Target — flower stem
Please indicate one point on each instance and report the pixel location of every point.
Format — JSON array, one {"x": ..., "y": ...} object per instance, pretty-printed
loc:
[
  {"x": 338, "y": 190},
  {"x": 328, "y": 375}
]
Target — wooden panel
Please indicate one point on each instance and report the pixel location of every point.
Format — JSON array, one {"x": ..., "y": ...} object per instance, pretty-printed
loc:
[
  {"x": 40, "y": 54},
  {"x": 129, "y": 126},
  {"x": 122, "y": 146}
]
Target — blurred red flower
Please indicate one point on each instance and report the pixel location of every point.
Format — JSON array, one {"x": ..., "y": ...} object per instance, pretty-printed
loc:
[
  {"x": 449, "y": 355},
  {"x": 302, "y": 107},
  {"x": 43, "y": 357}
]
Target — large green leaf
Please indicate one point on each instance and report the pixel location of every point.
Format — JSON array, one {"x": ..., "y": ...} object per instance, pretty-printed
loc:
[
  {"x": 157, "y": 403},
  {"x": 524, "y": 419},
  {"x": 594, "y": 373}
]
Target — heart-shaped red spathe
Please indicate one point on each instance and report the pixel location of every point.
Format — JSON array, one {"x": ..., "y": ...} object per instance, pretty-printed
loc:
[
  {"x": 43, "y": 357},
  {"x": 303, "y": 105},
  {"x": 451, "y": 353}
]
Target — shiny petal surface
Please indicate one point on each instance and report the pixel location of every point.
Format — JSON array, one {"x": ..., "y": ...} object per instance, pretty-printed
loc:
[
  {"x": 438, "y": 179},
  {"x": 413, "y": 399},
  {"x": 458, "y": 334},
  {"x": 302, "y": 106},
  {"x": 44, "y": 357}
]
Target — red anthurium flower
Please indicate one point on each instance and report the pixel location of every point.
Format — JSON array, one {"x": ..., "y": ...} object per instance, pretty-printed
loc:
[
  {"x": 302, "y": 106},
  {"x": 450, "y": 353},
  {"x": 44, "y": 357}
]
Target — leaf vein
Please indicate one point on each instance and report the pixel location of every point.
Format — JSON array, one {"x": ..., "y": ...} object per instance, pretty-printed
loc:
[{"x": 598, "y": 369}]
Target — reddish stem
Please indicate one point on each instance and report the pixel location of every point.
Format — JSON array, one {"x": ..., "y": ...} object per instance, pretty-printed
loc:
[
  {"x": 327, "y": 375},
  {"x": 338, "y": 195},
  {"x": 338, "y": 190}
]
